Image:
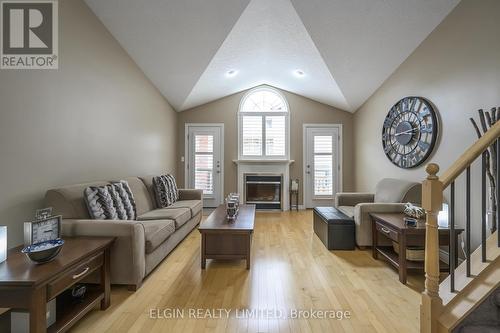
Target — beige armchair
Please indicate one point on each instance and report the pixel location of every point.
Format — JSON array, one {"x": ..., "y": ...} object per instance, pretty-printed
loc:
[{"x": 389, "y": 197}]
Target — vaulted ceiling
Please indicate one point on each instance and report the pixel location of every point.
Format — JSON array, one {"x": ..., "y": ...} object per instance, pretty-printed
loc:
[{"x": 337, "y": 52}]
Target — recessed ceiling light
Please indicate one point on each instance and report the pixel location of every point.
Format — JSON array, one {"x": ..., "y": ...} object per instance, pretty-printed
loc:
[
  {"x": 231, "y": 73},
  {"x": 299, "y": 73}
]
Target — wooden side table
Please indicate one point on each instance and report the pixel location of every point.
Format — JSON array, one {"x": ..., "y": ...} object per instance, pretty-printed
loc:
[
  {"x": 26, "y": 285},
  {"x": 393, "y": 227}
]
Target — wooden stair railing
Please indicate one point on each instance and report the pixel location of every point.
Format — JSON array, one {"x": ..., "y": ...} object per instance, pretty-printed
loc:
[
  {"x": 470, "y": 155},
  {"x": 432, "y": 201}
]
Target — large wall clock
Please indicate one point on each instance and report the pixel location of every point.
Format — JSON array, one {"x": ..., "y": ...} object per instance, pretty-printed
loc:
[{"x": 409, "y": 132}]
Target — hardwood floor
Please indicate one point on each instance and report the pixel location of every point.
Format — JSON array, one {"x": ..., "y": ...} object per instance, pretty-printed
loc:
[{"x": 291, "y": 269}]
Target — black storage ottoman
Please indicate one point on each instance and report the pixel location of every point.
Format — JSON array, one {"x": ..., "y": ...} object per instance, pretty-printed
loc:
[{"x": 334, "y": 228}]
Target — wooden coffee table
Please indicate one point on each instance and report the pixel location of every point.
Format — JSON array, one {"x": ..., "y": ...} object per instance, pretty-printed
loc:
[
  {"x": 26, "y": 285},
  {"x": 225, "y": 239},
  {"x": 393, "y": 227}
]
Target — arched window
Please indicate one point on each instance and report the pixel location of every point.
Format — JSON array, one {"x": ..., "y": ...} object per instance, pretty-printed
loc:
[{"x": 263, "y": 125}]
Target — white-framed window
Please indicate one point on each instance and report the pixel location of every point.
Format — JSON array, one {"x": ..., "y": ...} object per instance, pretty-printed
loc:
[{"x": 263, "y": 125}]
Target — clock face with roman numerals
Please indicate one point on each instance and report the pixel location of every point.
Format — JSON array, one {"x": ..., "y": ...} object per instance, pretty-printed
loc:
[{"x": 409, "y": 132}]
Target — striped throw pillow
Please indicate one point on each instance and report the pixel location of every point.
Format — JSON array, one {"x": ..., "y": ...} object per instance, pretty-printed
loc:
[{"x": 165, "y": 189}]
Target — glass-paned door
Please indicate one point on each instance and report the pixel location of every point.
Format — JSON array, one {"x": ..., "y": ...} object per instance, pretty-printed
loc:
[
  {"x": 204, "y": 162},
  {"x": 321, "y": 165}
]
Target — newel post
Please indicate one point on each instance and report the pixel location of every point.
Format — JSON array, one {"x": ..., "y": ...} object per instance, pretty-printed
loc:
[{"x": 432, "y": 201}]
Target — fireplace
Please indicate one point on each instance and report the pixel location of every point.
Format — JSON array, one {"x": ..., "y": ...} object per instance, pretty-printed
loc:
[{"x": 264, "y": 190}]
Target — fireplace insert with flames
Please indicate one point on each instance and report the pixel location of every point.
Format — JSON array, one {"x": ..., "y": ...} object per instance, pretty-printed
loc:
[{"x": 265, "y": 191}]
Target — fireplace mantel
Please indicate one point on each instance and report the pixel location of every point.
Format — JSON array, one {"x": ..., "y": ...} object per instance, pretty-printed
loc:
[{"x": 263, "y": 161}]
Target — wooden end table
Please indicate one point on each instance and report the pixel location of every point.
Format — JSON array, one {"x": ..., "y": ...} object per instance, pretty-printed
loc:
[
  {"x": 393, "y": 227},
  {"x": 224, "y": 239},
  {"x": 26, "y": 285}
]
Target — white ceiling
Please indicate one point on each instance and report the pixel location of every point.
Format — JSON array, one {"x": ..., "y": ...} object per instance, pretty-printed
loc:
[
  {"x": 364, "y": 41},
  {"x": 266, "y": 45},
  {"x": 346, "y": 48},
  {"x": 172, "y": 41}
]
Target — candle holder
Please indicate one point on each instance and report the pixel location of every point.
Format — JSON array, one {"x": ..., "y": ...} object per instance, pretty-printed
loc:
[{"x": 232, "y": 206}]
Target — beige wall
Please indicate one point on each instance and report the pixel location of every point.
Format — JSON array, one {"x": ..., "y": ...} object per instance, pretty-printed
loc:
[
  {"x": 97, "y": 117},
  {"x": 458, "y": 69},
  {"x": 302, "y": 111}
]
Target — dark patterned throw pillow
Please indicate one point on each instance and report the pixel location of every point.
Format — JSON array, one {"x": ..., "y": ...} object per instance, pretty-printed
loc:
[{"x": 165, "y": 190}]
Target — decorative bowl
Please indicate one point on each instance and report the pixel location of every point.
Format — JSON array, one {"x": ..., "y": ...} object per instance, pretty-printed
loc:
[{"x": 44, "y": 251}]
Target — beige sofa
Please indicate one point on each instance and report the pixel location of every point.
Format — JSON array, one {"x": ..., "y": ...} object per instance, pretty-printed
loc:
[
  {"x": 141, "y": 244},
  {"x": 390, "y": 197}
]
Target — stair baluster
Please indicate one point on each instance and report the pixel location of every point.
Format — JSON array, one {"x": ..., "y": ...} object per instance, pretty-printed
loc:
[
  {"x": 467, "y": 220},
  {"x": 483, "y": 206},
  {"x": 452, "y": 247},
  {"x": 497, "y": 188}
]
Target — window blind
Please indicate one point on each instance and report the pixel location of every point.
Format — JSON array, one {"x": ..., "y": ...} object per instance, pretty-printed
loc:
[
  {"x": 323, "y": 175},
  {"x": 252, "y": 135},
  {"x": 204, "y": 143},
  {"x": 323, "y": 144},
  {"x": 275, "y": 135},
  {"x": 323, "y": 165},
  {"x": 203, "y": 173}
]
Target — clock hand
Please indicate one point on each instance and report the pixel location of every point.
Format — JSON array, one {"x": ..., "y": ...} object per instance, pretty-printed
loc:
[{"x": 406, "y": 132}]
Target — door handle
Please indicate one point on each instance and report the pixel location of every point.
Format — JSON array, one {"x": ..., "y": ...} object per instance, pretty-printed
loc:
[{"x": 308, "y": 172}]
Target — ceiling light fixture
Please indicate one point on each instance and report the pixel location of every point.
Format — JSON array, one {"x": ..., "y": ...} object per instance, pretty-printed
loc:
[
  {"x": 231, "y": 73},
  {"x": 299, "y": 73}
]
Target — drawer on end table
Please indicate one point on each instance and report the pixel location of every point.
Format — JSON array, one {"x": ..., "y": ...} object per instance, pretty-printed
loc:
[
  {"x": 74, "y": 275},
  {"x": 390, "y": 233}
]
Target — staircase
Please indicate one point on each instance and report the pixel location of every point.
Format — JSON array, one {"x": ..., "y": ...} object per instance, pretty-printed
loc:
[
  {"x": 485, "y": 318},
  {"x": 468, "y": 300}
]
